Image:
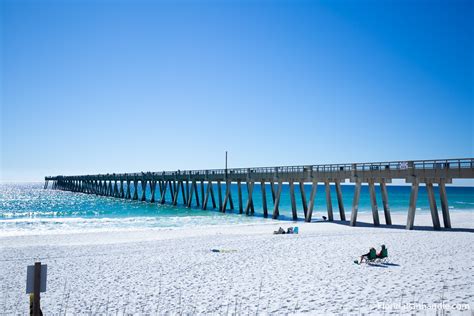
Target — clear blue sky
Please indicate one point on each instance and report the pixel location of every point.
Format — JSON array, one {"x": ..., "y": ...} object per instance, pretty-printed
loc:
[{"x": 117, "y": 86}]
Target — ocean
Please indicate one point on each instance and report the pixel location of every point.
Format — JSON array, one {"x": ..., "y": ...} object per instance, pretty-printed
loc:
[{"x": 28, "y": 209}]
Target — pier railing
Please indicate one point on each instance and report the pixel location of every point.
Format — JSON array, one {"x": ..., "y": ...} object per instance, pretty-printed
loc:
[{"x": 437, "y": 164}]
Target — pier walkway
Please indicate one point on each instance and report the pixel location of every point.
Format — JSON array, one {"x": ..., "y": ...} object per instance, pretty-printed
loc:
[{"x": 191, "y": 186}]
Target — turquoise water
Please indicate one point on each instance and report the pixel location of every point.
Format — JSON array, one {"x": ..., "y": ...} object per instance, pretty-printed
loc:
[{"x": 29, "y": 209}]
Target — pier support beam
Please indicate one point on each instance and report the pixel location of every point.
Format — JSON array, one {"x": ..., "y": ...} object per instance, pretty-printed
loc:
[
  {"x": 433, "y": 207},
  {"x": 176, "y": 193},
  {"x": 171, "y": 185},
  {"x": 412, "y": 206},
  {"x": 386, "y": 207},
  {"x": 128, "y": 195},
  {"x": 152, "y": 190},
  {"x": 116, "y": 189},
  {"x": 355, "y": 203},
  {"x": 276, "y": 209},
  {"x": 340, "y": 202},
  {"x": 183, "y": 193},
  {"x": 226, "y": 198},
  {"x": 272, "y": 187},
  {"x": 144, "y": 182},
  {"x": 329, "y": 201},
  {"x": 303, "y": 198},
  {"x": 196, "y": 193},
  {"x": 206, "y": 197},
  {"x": 219, "y": 195},
  {"x": 135, "y": 191},
  {"x": 373, "y": 203},
  {"x": 312, "y": 196},
  {"x": 213, "y": 199},
  {"x": 294, "y": 212},
  {"x": 249, "y": 197},
  {"x": 444, "y": 204},
  {"x": 239, "y": 189},
  {"x": 202, "y": 190},
  {"x": 122, "y": 192},
  {"x": 264, "y": 199},
  {"x": 187, "y": 191},
  {"x": 163, "y": 192}
]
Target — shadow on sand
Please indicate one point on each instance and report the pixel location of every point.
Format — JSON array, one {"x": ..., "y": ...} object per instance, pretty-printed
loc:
[{"x": 398, "y": 226}]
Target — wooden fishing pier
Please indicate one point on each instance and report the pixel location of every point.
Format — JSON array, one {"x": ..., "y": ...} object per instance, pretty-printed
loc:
[{"x": 197, "y": 186}]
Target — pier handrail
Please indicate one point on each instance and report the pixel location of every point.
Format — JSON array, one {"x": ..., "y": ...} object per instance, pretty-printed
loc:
[{"x": 457, "y": 163}]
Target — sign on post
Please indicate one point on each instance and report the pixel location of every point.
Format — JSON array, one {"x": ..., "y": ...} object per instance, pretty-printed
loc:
[{"x": 30, "y": 278}]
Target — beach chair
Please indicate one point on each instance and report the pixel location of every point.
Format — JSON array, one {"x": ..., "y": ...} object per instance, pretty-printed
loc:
[
  {"x": 372, "y": 257},
  {"x": 383, "y": 257}
]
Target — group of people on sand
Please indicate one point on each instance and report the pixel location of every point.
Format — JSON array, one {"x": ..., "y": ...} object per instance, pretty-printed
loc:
[
  {"x": 290, "y": 230},
  {"x": 373, "y": 254}
]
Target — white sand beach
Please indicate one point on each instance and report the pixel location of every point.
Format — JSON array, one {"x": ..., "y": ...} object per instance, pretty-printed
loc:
[{"x": 158, "y": 271}]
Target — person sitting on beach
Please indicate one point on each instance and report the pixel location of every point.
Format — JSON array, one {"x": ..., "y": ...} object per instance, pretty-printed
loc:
[
  {"x": 371, "y": 253},
  {"x": 383, "y": 253},
  {"x": 279, "y": 231},
  {"x": 289, "y": 230}
]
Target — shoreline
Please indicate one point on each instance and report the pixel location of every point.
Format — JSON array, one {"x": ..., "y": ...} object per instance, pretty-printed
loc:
[{"x": 364, "y": 219}]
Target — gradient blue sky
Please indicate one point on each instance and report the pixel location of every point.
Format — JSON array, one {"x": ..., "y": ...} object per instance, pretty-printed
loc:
[{"x": 123, "y": 86}]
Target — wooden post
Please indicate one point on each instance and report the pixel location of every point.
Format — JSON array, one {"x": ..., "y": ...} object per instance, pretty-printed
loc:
[
  {"x": 249, "y": 197},
  {"x": 176, "y": 194},
  {"x": 303, "y": 198},
  {"x": 412, "y": 206},
  {"x": 355, "y": 202},
  {"x": 386, "y": 208},
  {"x": 219, "y": 195},
  {"x": 37, "y": 290},
  {"x": 273, "y": 191},
  {"x": 373, "y": 202},
  {"x": 202, "y": 190},
  {"x": 152, "y": 190},
  {"x": 163, "y": 192},
  {"x": 340, "y": 202},
  {"x": 444, "y": 203},
  {"x": 122, "y": 192},
  {"x": 206, "y": 198},
  {"x": 190, "y": 196},
  {"x": 135, "y": 193},
  {"x": 264, "y": 199},
  {"x": 196, "y": 193},
  {"x": 226, "y": 198},
  {"x": 187, "y": 190},
  {"x": 171, "y": 185},
  {"x": 293, "y": 201},
  {"x": 239, "y": 188},
  {"x": 183, "y": 193},
  {"x": 312, "y": 196},
  {"x": 144, "y": 182},
  {"x": 433, "y": 207},
  {"x": 276, "y": 210},
  {"x": 213, "y": 199},
  {"x": 329, "y": 201},
  {"x": 231, "y": 202},
  {"x": 128, "y": 195}
]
